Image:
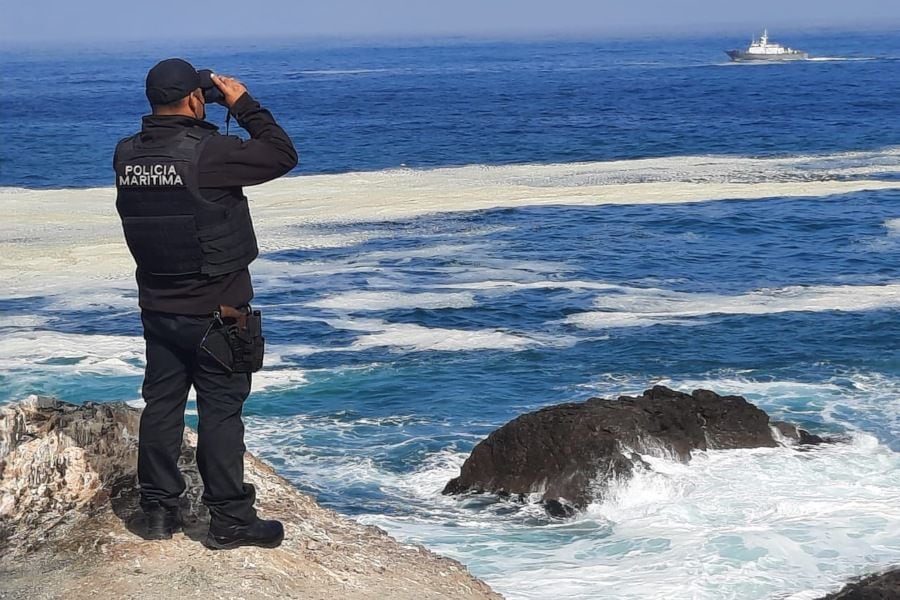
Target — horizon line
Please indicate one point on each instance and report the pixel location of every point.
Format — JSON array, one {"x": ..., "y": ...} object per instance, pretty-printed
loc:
[{"x": 449, "y": 37}]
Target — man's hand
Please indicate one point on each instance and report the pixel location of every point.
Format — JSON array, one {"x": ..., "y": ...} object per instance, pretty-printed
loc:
[{"x": 230, "y": 87}]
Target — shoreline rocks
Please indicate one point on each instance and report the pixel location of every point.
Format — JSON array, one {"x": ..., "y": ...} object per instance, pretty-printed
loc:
[
  {"x": 881, "y": 586},
  {"x": 566, "y": 454},
  {"x": 70, "y": 526}
]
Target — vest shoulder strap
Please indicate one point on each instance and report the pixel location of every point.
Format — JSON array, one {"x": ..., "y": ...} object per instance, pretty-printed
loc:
[
  {"x": 124, "y": 146},
  {"x": 187, "y": 144},
  {"x": 183, "y": 146},
  {"x": 196, "y": 143}
]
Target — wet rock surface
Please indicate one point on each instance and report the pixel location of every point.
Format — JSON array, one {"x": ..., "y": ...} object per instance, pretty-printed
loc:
[
  {"x": 883, "y": 586},
  {"x": 567, "y": 453},
  {"x": 70, "y": 526}
]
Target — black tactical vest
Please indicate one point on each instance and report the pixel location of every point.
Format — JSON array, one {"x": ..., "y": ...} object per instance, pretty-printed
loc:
[{"x": 169, "y": 227}]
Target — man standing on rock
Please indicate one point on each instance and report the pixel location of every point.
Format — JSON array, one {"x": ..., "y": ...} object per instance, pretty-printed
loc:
[{"x": 187, "y": 225}]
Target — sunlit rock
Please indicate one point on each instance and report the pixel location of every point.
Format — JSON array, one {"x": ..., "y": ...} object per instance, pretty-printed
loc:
[{"x": 70, "y": 526}]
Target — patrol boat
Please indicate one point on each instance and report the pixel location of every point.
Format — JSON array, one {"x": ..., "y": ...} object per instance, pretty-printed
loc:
[{"x": 763, "y": 49}]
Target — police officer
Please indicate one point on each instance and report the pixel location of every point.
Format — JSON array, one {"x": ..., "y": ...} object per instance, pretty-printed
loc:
[{"x": 187, "y": 225}]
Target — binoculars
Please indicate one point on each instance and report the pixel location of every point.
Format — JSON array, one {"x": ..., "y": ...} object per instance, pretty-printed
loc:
[{"x": 211, "y": 94}]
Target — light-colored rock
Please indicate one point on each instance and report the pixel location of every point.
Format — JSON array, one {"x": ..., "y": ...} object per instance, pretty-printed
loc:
[{"x": 68, "y": 506}]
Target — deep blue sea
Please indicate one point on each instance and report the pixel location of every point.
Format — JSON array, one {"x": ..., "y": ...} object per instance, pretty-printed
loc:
[{"x": 397, "y": 344}]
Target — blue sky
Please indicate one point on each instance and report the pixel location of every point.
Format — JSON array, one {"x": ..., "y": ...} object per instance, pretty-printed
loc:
[{"x": 111, "y": 20}]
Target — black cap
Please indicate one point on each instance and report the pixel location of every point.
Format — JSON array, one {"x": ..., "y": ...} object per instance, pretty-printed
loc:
[{"x": 170, "y": 80}]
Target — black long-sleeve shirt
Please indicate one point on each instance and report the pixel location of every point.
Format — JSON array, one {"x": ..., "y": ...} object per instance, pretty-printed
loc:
[{"x": 227, "y": 164}]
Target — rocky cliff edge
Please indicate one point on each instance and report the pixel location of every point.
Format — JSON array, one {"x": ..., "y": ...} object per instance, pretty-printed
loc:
[{"x": 70, "y": 526}]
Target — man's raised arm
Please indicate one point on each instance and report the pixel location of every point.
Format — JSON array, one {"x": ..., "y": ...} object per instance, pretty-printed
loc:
[{"x": 268, "y": 154}]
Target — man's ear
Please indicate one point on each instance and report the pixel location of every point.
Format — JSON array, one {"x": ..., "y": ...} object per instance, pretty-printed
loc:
[{"x": 196, "y": 103}]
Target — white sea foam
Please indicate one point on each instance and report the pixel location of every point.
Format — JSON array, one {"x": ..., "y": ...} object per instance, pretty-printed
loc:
[
  {"x": 626, "y": 306},
  {"x": 436, "y": 251},
  {"x": 416, "y": 337},
  {"x": 893, "y": 226},
  {"x": 764, "y": 522},
  {"x": 22, "y": 320},
  {"x": 886, "y": 243},
  {"x": 731, "y": 524},
  {"x": 303, "y": 238},
  {"x": 36, "y": 356},
  {"x": 40, "y": 230},
  {"x": 840, "y": 58},
  {"x": 637, "y": 306},
  {"x": 276, "y": 354},
  {"x": 49, "y": 351},
  {"x": 505, "y": 285},
  {"x": 384, "y": 270},
  {"x": 368, "y": 300},
  {"x": 786, "y": 391},
  {"x": 278, "y": 378},
  {"x": 286, "y": 275},
  {"x": 408, "y": 336}
]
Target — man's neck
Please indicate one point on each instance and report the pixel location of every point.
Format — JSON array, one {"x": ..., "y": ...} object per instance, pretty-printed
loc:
[{"x": 184, "y": 112}]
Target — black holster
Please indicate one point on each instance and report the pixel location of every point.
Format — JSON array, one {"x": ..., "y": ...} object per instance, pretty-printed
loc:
[{"x": 242, "y": 331}]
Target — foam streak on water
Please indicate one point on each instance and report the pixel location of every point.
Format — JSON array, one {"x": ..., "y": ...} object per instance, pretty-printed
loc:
[{"x": 648, "y": 306}]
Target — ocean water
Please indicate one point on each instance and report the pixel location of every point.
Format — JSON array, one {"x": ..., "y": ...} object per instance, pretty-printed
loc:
[
  {"x": 396, "y": 344},
  {"x": 353, "y": 108}
]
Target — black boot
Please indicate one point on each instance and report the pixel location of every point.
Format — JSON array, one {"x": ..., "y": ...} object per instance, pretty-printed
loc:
[
  {"x": 162, "y": 522},
  {"x": 266, "y": 534}
]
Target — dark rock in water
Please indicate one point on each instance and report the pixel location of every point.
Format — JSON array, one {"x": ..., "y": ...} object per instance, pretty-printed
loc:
[
  {"x": 885, "y": 586},
  {"x": 559, "y": 509},
  {"x": 797, "y": 435},
  {"x": 568, "y": 452}
]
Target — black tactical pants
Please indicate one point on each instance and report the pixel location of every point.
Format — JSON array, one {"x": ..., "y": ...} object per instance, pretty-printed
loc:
[{"x": 174, "y": 364}]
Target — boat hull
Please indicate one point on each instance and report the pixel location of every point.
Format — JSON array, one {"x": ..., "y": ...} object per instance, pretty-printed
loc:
[{"x": 740, "y": 56}]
